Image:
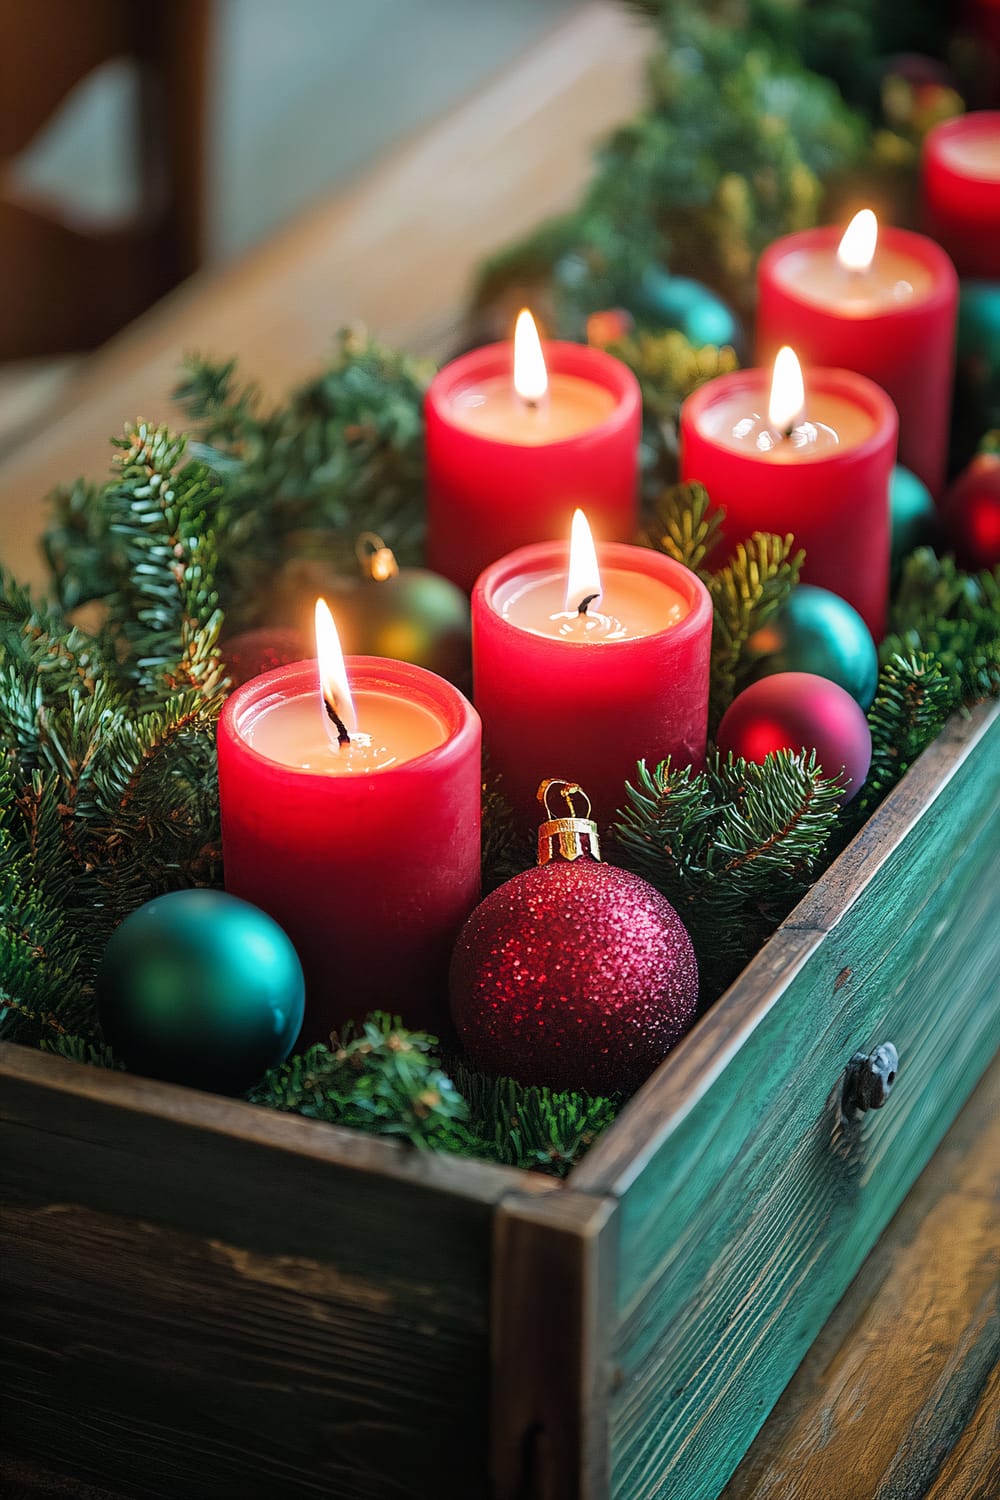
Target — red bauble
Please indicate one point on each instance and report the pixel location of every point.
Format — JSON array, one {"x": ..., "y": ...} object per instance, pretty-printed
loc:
[
  {"x": 573, "y": 975},
  {"x": 252, "y": 652},
  {"x": 799, "y": 711},
  {"x": 971, "y": 514}
]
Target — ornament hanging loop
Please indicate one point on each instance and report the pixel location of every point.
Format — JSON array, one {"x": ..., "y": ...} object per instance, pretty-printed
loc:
[
  {"x": 568, "y": 838},
  {"x": 377, "y": 560}
]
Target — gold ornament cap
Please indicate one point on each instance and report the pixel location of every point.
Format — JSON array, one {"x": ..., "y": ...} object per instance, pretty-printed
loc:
[
  {"x": 571, "y": 837},
  {"x": 378, "y": 562}
]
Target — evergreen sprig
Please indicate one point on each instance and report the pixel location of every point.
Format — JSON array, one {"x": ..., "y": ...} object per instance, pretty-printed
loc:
[
  {"x": 377, "y": 1077},
  {"x": 746, "y": 593},
  {"x": 732, "y": 848},
  {"x": 668, "y": 367},
  {"x": 914, "y": 697},
  {"x": 108, "y": 795},
  {"x": 164, "y": 513},
  {"x": 535, "y": 1128},
  {"x": 384, "y": 1079},
  {"x": 682, "y": 524},
  {"x": 344, "y": 454},
  {"x": 953, "y": 616}
]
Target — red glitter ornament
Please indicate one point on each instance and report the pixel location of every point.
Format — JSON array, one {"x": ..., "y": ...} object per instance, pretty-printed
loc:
[
  {"x": 971, "y": 514},
  {"x": 252, "y": 652},
  {"x": 800, "y": 711},
  {"x": 574, "y": 975}
]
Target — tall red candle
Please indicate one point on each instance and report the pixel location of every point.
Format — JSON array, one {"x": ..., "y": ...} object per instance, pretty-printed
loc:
[
  {"x": 505, "y": 469},
  {"x": 891, "y": 316},
  {"x": 827, "y": 482},
  {"x": 586, "y": 705},
  {"x": 961, "y": 188},
  {"x": 371, "y": 872}
]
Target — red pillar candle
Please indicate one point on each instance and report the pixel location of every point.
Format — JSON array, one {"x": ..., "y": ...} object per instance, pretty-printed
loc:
[
  {"x": 583, "y": 693},
  {"x": 507, "y": 464},
  {"x": 815, "y": 463},
  {"x": 961, "y": 188},
  {"x": 367, "y": 853},
  {"x": 885, "y": 309}
]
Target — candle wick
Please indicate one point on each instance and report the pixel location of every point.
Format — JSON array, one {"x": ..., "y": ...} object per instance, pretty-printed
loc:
[
  {"x": 343, "y": 738},
  {"x": 581, "y": 608}
]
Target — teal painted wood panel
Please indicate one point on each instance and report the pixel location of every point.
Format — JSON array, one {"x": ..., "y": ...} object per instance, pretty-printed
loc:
[{"x": 744, "y": 1222}]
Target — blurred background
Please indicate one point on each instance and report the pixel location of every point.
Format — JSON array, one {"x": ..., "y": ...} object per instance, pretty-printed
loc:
[{"x": 140, "y": 139}]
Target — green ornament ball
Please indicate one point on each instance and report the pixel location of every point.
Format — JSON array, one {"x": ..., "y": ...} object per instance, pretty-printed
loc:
[
  {"x": 408, "y": 614},
  {"x": 914, "y": 515},
  {"x": 415, "y": 616},
  {"x": 201, "y": 988},
  {"x": 820, "y": 633},
  {"x": 665, "y": 301}
]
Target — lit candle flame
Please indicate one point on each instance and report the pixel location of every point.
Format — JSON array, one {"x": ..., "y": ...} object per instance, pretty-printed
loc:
[
  {"x": 531, "y": 379},
  {"x": 583, "y": 581},
  {"x": 338, "y": 705},
  {"x": 788, "y": 395},
  {"x": 857, "y": 248}
]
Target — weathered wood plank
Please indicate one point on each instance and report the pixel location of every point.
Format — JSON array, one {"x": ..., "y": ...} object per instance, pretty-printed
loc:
[
  {"x": 901, "y": 1374},
  {"x": 744, "y": 1225},
  {"x": 553, "y": 1296},
  {"x": 205, "y": 1298},
  {"x": 32, "y": 1083}
]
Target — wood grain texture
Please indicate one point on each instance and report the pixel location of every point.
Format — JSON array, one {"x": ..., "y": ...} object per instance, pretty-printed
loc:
[
  {"x": 200, "y": 1300},
  {"x": 972, "y": 1469},
  {"x": 397, "y": 251},
  {"x": 553, "y": 1295},
  {"x": 742, "y": 1228},
  {"x": 898, "y": 1397}
]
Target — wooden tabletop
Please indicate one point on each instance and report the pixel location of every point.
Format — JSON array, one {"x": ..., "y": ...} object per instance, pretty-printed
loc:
[
  {"x": 900, "y": 1397},
  {"x": 396, "y": 252}
]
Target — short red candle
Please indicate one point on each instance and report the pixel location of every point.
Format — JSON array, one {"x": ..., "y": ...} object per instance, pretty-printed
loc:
[
  {"x": 371, "y": 875},
  {"x": 961, "y": 187},
  {"x": 894, "y": 323},
  {"x": 833, "y": 500},
  {"x": 488, "y": 493},
  {"x": 587, "y": 711}
]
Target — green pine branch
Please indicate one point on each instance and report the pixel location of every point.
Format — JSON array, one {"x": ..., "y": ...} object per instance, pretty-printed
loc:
[
  {"x": 344, "y": 454},
  {"x": 668, "y": 368},
  {"x": 746, "y": 593},
  {"x": 732, "y": 848},
  {"x": 914, "y": 697},
  {"x": 534, "y": 1128},
  {"x": 377, "y": 1077},
  {"x": 165, "y": 511},
  {"x": 682, "y": 524},
  {"x": 952, "y": 616},
  {"x": 387, "y": 1080}
]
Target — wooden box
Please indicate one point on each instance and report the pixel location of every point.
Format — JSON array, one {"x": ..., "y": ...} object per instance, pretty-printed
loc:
[{"x": 206, "y": 1299}]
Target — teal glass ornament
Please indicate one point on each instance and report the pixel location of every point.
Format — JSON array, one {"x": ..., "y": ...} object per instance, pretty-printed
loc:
[
  {"x": 201, "y": 988},
  {"x": 976, "y": 405},
  {"x": 820, "y": 633},
  {"x": 665, "y": 301},
  {"x": 914, "y": 515}
]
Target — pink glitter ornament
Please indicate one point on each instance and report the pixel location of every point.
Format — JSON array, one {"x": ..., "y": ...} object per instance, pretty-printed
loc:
[{"x": 574, "y": 975}]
